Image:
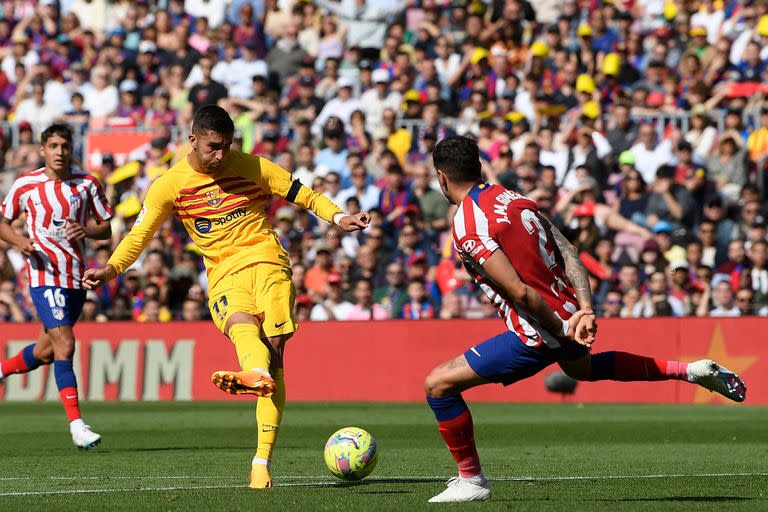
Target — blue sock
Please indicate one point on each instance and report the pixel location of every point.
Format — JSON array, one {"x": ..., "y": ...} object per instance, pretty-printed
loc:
[
  {"x": 65, "y": 374},
  {"x": 447, "y": 407},
  {"x": 28, "y": 353}
]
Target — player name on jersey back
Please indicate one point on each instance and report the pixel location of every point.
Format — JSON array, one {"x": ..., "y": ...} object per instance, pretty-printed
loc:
[{"x": 493, "y": 218}]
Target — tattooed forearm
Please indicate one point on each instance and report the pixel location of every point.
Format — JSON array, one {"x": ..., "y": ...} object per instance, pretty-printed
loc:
[{"x": 574, "y": 268}]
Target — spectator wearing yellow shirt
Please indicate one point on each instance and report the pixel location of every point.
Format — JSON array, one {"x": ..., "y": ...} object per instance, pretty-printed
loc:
[{"x": 757, "y": 143}]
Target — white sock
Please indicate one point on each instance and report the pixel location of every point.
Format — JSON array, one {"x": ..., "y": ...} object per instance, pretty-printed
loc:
[
  {"x": 478, "y": 479},
  {"x": 259, "y": 460},
  {"x": 260, "y": 370},
  {"x": 77, "y": 424}
]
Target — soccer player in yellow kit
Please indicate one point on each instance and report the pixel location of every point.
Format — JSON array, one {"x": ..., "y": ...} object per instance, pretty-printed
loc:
[{"x": 220, "y": 196}]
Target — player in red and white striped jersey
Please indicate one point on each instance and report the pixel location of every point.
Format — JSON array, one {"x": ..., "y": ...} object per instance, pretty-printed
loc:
[
  {"x": 63, "y": 206},
  {"x": 494, "y": 216},
  {"x": 534, "y": 276},
  {"x": 53, "y": 208}
]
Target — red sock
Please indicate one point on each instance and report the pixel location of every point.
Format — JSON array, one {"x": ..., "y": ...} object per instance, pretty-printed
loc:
[
  {"x": 459, "y": 435},
  {"x": 23, "y": 362},
  {"x": 15, "y": 364},
  {"x": 631, "y": 367},
  {"x": 71, "y": 405}
]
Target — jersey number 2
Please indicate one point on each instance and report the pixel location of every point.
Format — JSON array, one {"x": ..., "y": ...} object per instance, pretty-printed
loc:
[{"x": 532, "y": 224}]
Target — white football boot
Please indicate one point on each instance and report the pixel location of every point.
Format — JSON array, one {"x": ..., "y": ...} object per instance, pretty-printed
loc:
[
  {"x": 85, "y": 438},
  {"x": 710, "y": 375},
  {"x": 464, "y": 489}
]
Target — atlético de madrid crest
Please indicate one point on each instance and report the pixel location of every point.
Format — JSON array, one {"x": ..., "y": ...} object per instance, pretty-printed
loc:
[{"x": 212, "y": 197}]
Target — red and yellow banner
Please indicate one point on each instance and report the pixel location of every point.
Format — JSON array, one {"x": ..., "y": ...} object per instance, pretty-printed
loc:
[{"x": 378, "y": 361}]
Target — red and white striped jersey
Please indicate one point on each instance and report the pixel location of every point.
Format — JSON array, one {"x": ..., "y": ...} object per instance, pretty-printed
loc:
[
  {"x": 50, "y": 205},
  {"x": 493, "y": 218}
]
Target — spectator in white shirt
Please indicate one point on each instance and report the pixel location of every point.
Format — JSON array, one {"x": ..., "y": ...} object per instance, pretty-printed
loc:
[
  {"x": 366, "y": 193},
  {"x": 102, "y": 99},
  {"x": 35, "y": 110},
  {"x": 374, "y": 101},
  {"x": 212, "y": 10},
  {"x": 239, "y": 78},
  {"x": 20, "y": 53},
  {"x": 649, "y": 155},
  {"x": 724, "y": 300},
  {"x": 341, "y": 106},
  {"x": 333, "y": 307}
]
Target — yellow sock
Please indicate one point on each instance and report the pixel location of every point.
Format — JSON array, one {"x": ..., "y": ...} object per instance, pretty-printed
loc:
[
  {"x": 251, "y": 351},
  {"x": 269, "y": 413}
]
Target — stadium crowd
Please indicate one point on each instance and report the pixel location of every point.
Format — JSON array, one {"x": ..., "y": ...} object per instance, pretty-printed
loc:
[{"x": 639, "y": 127}]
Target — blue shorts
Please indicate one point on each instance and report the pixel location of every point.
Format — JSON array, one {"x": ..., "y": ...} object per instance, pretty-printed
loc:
[
  {"x": 57, "y": 306},
  {"x": 506, "y": 359}
]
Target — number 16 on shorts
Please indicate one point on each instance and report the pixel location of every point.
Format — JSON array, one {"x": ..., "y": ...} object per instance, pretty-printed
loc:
[{"x": 57, "y": 306}]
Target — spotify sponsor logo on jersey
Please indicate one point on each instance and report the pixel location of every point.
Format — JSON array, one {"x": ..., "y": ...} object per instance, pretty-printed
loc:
[{"x": 203, "y": 225}]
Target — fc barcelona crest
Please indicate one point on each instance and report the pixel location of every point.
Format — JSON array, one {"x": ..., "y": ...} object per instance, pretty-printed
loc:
[{"x": 212, "y": 198}]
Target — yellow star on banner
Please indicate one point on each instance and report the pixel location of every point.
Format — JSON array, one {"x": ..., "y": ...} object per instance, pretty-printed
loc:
[{"x": 719, "y": 352}]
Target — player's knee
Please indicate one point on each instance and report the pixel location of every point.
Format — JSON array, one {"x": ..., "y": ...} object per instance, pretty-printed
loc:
[
  {"x": 278, "y": 342},
  {"x": 63, "y": 351},
  {"x": 240, "y": 318},
  {"x": 44, "y": 354},
  {"x": 436, "y": 386}
]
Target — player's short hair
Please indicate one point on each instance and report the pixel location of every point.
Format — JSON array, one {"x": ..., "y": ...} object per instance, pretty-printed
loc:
[
  {"x": 458, "y": 158},
  {"x": 63, "y": 130},
  {"x": 212, "y": 118}
]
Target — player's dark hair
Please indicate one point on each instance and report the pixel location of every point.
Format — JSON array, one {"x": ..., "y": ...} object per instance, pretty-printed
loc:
[
  {"x": 61, "y": 129},
  {"x": 212, "y": 118},
  {"x": 459, "y": 158}
]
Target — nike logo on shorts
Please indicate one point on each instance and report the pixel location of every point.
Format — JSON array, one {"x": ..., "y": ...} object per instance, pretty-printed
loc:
[{"x": 280, "y": 325}]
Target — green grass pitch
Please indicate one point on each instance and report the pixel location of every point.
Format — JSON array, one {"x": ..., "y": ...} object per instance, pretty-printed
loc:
[{"x": 561, "y": 457}]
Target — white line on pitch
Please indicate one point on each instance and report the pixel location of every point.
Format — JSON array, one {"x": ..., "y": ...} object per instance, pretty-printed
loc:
[{"x": 324, "y": 482}]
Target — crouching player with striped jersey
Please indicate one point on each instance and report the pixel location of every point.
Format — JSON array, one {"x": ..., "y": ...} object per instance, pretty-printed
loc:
[
  {"x": 532, "y": 273},
  {"x": 63, "y": 206}
]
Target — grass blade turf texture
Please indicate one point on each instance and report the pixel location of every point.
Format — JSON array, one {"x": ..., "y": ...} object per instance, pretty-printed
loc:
[{"x": 561, "y": 457}]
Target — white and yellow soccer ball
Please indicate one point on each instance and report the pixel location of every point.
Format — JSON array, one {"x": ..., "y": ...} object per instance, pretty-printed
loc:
[{"x": 351, "y": 453}]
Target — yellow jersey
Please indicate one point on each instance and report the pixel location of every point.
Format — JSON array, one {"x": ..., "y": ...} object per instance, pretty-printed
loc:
[{"x": 223, "y": 212}]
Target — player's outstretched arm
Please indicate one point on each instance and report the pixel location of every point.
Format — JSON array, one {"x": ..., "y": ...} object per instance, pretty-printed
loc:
[
  {"x": 280, "y": 182},
  {"x": 577, "y": 274},
  {"x": 157, "y": 207},
  {"x": 500, "y": 270}
]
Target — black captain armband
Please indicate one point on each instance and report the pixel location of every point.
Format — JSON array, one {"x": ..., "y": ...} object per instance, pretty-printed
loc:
[{"x": 293, "y": 191}]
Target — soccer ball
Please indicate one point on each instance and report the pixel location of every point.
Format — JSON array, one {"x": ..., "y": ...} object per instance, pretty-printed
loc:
[{"x": 351, "y": 453}]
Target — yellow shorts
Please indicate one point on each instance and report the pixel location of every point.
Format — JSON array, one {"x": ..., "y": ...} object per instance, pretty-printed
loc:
[{"x": 264, "y": 290}]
